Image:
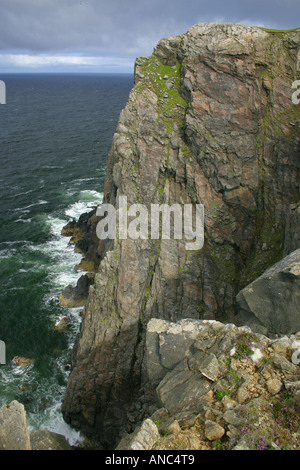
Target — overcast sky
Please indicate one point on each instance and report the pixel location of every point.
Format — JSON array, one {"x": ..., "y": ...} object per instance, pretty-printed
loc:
[{"x": 107, "y": 35}]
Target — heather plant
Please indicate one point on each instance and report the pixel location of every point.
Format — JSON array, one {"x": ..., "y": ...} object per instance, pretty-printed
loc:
[
  {"x": 244, "y": 346},
  {"x": 284, "y": 433},
  {"x": 285, "y": 409}
]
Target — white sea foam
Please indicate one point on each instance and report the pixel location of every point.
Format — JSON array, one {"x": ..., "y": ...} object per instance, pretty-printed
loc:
[
  {"x": 61, "y": 273},
  {"x": 61, "y": 270},
  {"x": 23, "y": 193},
  {"x": 80, "y": 180},
  {"x": 25, "y": 208},
  {"x": 24, "y": 221},
  {"x": 53, "y": 421},
  {"x": 87, "y": 200}
]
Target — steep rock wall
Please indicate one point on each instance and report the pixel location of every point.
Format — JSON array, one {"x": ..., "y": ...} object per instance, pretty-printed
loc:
[{"x": 209, "y": 121}]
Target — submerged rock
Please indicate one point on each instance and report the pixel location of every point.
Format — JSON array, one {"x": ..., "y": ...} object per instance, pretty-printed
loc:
[{"x": 21, "y": 361}]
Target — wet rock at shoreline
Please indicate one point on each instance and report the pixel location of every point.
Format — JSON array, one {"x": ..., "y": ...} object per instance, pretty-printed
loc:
[{"x": 76, "y": 296}]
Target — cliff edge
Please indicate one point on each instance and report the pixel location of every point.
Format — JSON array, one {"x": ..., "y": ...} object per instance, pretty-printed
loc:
[{"x": 210, "y": 121}]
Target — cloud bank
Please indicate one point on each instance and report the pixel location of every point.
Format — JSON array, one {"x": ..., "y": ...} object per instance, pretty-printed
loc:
[{"x": 96, "y": 35}]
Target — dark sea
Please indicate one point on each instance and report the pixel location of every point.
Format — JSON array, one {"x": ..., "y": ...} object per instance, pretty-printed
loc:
[{"x": 55, "y": 133}]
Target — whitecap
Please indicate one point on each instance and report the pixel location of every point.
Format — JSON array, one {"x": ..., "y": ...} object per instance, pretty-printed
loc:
[
  {"x": 87, "y": 200},
  {"x": 52, "y": 167},
  {"x": 16, "y": 242},
  {"x": 63, "y": 258},
  {"x": 75, "y": 210},
  {"x": 24, "y": 193},
  {"x": 61, "y": 273},
  {"x": 25, "y": 208},
  {"x": 6, "y": 253},
  {"x": 80, "y": 180},
  {"x": 25, "y": 221}
]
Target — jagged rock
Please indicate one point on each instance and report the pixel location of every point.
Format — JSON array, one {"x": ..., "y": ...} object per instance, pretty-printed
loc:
[
  {"x": 43, "y": 439},
  {"x": 210, "y": 368},
  {"x": 213, "y": 430},
  {"x": 82, "y": 233},
  {"x": 21, "y": 361},
  {"x": 221, "y": 136},
  {"x": 243, "y": 403},
  {"x": 14, "y": 434},
  {"x": 271, "y": 302},
  {"x": 76, "y": 296},
  {"x": 62, "y": 324},
  {"x": 142, "y": 439},
  {"x": 274, "y": 386},
  {"x": 283, "y": 364}
]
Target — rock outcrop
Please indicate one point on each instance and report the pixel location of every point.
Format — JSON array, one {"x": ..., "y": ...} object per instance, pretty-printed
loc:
[
  {"x": 14, "y": 433},
  {"x": 209, "y": 121},
  {"x": 221, "y": 386},
  {"x": 271, "y": 303},
  {"x": 82, "y": 234},
  {"x": 76, "y": 296}
]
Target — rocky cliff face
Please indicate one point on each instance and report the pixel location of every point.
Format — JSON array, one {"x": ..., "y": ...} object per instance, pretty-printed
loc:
[{"x": 209, "y": 121}]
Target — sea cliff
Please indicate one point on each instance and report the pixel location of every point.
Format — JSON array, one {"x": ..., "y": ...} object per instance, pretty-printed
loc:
[{"x": 210, "y": 121}]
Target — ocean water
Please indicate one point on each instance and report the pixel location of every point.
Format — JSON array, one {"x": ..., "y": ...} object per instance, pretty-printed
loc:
[{"x": 55, "y": 134}]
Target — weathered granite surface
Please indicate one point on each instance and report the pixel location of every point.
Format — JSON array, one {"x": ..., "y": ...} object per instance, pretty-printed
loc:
[
  {"x": 221, "y": 385},
  {"x": 14, "y": 434},
  {"x": 209, "y": 121},
  {"x": 271, "y": 303}
]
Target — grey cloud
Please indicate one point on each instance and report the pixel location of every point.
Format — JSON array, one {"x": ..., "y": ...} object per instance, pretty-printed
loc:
[{"x": 123, "y": 27}]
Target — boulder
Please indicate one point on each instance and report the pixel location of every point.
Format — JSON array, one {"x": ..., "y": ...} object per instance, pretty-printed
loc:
[
  {"x": 14, "y": 433},
  {"x": 142, "y": 439},
  {"x": 42, "y": 439},
  {"x": 271, "y": 303},
  {"x": 21, "y": 361},
  {"x": 213, "y": 430}
]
